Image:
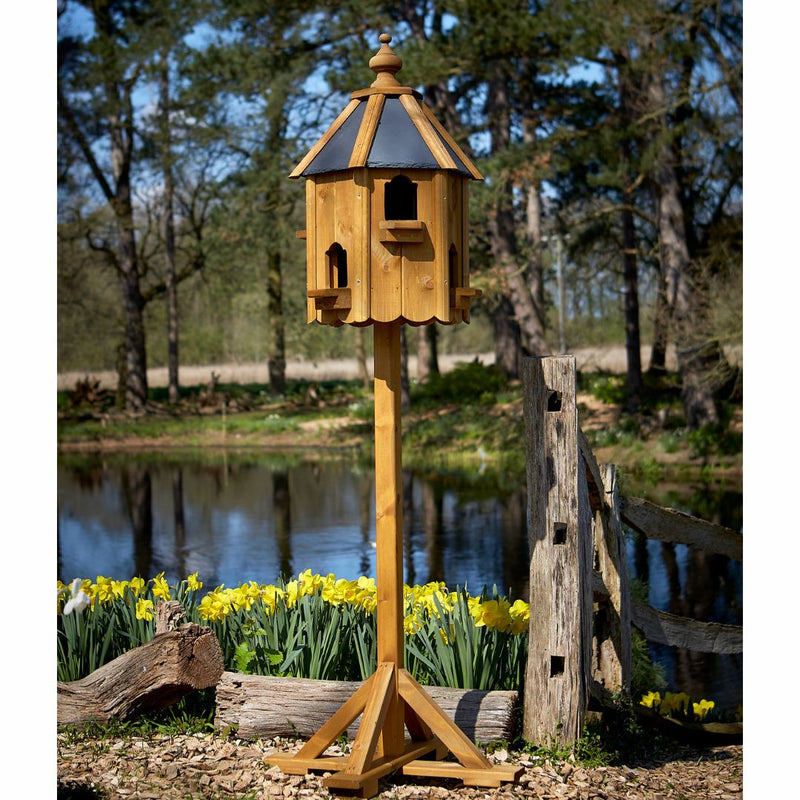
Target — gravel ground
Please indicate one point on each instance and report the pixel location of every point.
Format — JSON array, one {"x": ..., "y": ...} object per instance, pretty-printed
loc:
[{"x": 208, "y": 766}]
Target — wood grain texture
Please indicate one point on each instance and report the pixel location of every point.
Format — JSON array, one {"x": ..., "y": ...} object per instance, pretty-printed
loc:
[
  {"x": 669, "y": 525},
  {"x": 147, "y": 678},
  {"x": 560, "y": 537},
  {"x": 669, "y": 629},
  {"x": 265, "y": 706}
]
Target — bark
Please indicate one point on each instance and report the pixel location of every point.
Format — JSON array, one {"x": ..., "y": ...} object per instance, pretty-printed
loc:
[
  {"x": 405, "y": 388},
  {"x": 427, "y": 352},
  {"x": 264, "y": 706},
  {"x": 697, "y": 352},
  {"x": 502, "y": 233},
  {"x": 658, "y": 352},
  {"x": 148, "y": 678},
  {"x": 629, "y": 251},
  {"x": 169, "y": 235},
  {"x": 361, "y": 358},
  {"x": 633, "y": 389},
  {"x": 276, "y": 363},
  {"x": 507, "y": 340}
]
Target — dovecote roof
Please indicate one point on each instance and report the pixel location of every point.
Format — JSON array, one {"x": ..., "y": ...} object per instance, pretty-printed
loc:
[{"x": 385, "y": 126}]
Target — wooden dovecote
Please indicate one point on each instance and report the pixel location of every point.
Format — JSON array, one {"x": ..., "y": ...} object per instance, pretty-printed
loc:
[{"x": 387, "y": 211}]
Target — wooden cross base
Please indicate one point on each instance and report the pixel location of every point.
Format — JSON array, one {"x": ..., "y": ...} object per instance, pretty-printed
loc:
[{"x": 377, "y": 752}]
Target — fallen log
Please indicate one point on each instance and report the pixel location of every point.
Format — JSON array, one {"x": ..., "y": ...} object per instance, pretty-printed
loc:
[
  {"x": 264, "y": 706},
  {"x": 150, "y": 677}
]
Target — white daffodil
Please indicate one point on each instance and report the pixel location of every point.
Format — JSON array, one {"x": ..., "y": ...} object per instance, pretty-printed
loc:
[{"x": 79, "y": 600}]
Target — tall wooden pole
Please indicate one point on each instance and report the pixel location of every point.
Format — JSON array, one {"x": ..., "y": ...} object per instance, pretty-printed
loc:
[{"x": 389, "y": 520}]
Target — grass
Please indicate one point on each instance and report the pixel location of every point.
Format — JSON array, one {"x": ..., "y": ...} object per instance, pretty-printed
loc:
[{"x": 468, "y": 420}]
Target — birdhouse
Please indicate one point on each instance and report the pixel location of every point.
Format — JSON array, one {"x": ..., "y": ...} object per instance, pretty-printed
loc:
[{"x": 387, "y": 211}]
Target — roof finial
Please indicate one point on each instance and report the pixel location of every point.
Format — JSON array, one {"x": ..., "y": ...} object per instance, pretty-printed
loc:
[{"x": 385, "y": 63}]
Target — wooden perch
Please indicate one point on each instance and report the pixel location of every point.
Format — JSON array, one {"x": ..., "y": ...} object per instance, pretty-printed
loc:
[
  {"x": 150, "y": 677},
  {"x": 267, "y": 706}
]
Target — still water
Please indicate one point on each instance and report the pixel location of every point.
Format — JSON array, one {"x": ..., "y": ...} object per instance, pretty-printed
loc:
[{"x": 236, "y": 519}]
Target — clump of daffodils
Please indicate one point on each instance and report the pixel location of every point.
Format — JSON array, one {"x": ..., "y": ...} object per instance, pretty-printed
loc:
[
  {"x": 420, "y": 602},
  {"x": 676, "y": 704}
]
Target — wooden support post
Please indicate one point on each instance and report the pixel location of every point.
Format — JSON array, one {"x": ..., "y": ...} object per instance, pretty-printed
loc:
[
  {"x": 560, "y": 537},
  {"x": 391, "y": 700},
  {"x": 612, "y": 646}
]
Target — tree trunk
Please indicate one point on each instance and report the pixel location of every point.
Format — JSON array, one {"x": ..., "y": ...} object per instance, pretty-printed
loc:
[
  {"x": 169, "y": 235},
  {"x": 502, "y": 232},
  {"x": 361, "y": 358},
  {"x": 694, "y": 343},
  {"x": 405, "y": 388},
  {"x": 633, "y": 389},
  {"x": 507, "y": 340},
  {"x": 276, "y": 362},
  {"x": 150, "y": 677},
  {"x": 427, "y": 352},
  {"x": 658, "y": 351}
]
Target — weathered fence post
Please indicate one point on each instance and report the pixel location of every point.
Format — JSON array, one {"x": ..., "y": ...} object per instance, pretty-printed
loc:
[
  {"x": 612, "y": 624},
  {"x": 560, "y": 536}
]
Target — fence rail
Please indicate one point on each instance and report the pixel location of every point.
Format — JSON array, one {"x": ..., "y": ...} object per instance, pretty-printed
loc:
[{"x": 581, "y": 606}]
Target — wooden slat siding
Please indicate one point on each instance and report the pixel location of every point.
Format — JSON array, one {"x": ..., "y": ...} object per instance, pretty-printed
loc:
[
  {"x": 297, "y": 172},
  {"x": 267, "y": 706},
  {"x": 366, "y": 131},
  {"x": 560, "y": 636},
  {"x": 452, "y": 142},
  {"x": 669, "y": 629},
  {"x": 613, "y": 619},
  {"x": 312, "y": 279},
  {"x": 360, "y": 266},
  {"x": 415, "y": 114},
  {"x": 418, "y": 264},
  {"x": 441, "y": 297},
  {"x": 669, "y": 525}
]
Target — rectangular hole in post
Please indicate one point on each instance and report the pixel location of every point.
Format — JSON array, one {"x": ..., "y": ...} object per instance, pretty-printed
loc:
[
  {"x": 559, "y": 533},
  {"x": 556, "y": 666},
  {"x": 553, "y": 400}
]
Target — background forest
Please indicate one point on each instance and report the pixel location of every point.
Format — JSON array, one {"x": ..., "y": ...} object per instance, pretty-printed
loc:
[{"x": 609, "y": 133}]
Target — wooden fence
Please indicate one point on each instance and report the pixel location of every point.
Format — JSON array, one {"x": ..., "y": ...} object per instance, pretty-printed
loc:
[{"x": 581, "y": 606}]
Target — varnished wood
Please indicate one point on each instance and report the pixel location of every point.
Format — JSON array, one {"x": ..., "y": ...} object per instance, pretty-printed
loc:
[
  {"x": 421, "y": 123},
  {"x": 297, "y": 172},
  {"x": 366, "y": 132},
  {"x": 389, "y": 519},
  {"x": 452, "y": 142}
]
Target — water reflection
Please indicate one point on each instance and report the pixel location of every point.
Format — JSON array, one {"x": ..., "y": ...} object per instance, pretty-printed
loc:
[
  {"x": 252, "y": 520},
  {"x": 237, "y": 519}
]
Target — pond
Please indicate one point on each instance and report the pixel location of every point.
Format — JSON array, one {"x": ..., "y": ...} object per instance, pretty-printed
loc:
[{"x": 237, "y": 518}]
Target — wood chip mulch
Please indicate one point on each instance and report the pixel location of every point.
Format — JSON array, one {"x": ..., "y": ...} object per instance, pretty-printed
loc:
[{"x": 209, "y": 766}]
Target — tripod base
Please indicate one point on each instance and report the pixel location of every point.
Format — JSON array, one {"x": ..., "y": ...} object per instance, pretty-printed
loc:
[{"x": 376, "y": 753}]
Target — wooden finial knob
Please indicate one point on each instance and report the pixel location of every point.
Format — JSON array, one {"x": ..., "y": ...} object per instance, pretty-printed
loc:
[{"x": 385, "y": 63}]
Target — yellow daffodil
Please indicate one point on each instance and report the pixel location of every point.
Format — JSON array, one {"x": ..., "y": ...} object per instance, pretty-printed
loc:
[
  {"x": 702, "y": 708},
  {"x": 160, "y": 587},
  {"x": 104, "y": 589},
  {"x": 193, "y": 583},
  {"x": 118, "y": 588},
  {"x": 136, "y": 585},
  {"x": 651, "y": 700},
  {"x": 144, "y": 609},
  {"x": 678, "y": 702}
]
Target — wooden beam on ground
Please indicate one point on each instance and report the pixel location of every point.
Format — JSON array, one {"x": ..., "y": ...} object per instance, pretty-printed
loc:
[
  {"x": 669, "y": 629},
  {"x": 669, "y": 525},
  {"x": 264, "y": 706},
  {"x": 147, "y": 678}
]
